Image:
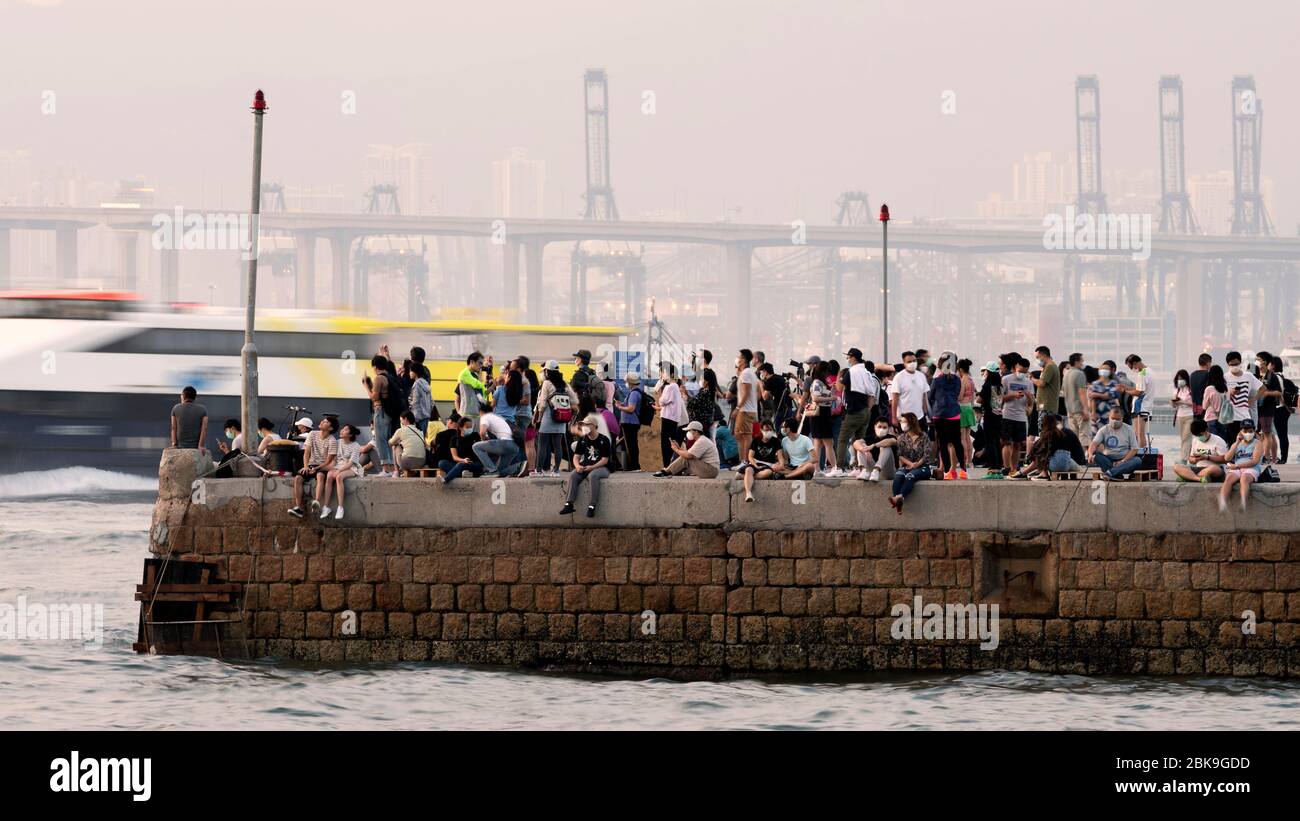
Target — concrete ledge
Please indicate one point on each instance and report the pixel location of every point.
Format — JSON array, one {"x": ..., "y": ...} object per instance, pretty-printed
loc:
[{"x": 639, "y": 500}]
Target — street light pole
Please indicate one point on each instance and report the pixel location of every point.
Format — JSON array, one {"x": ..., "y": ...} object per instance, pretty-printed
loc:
[
  {"x": 248, "y": 354},
  {"x": 884, "y": 284}
]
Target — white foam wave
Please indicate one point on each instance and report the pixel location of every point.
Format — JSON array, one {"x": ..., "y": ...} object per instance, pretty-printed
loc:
[{"x": 71, "y": 482}]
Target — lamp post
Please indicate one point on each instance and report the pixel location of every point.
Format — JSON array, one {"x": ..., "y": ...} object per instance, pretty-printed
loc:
[
  {"x": 248, "y": 354},
  {"x": 884, "y": 284}
]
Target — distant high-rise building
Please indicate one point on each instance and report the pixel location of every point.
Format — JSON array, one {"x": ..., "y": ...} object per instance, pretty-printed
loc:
[
  {"x": 409, "y": 167},
  {"x": 1211, "y": 196},
  {"x": 1042, "y": 177},
  {"x": 1041, "y": 182},
  {"x": 518, "y": 186}
]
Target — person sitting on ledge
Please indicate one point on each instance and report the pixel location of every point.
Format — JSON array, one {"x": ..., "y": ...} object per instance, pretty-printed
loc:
[
  {"x": 1206, "y": 457},
  {"x": 796, "y": 453},
  {"x": 874, "y": 453},
  {"x": 699, "y": 460},
  {"x": 408, "y": 444},
  {"x": 319, "y": 452},
  {"x": 1243, "y": 464},
  {"x": 347, "y": 465},
  {"x": 764, "y": 456},
  {"x": 1114, "y": 449},
  {"x": 463, "y": 458},
  {"x": 591, "y": 453},
  {"x": 914, "y": 460}
]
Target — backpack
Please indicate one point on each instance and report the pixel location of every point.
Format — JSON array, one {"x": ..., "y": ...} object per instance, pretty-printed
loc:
[
  {"x": 1290, "y": 393},
  {"x": 561, "y": 407},
  {"x": 395, "y": 402},
  {"x": 645, "y": 411},
  {"x": 586, "y": 383}
]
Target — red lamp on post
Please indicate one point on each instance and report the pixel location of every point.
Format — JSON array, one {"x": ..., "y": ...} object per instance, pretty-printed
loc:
[{"x": 884, "y": 277}]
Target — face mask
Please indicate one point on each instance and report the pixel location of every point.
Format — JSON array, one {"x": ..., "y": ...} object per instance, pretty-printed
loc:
[
  {"x": 1204, "y": 437},
  {"x": 1042, "y": 363},
  {"x": 1117, "y": 423},
  {"x": 692, "y": 435},
  {"x": 911, "y": 367},
  {"x": 904, "y": 426},
  {"x": 1103, "y": 373},
  {"x": 882, "y": 432},
  {"x": 230, "y": 434},
  {"x": 769, "y": 435},
  {"x": 1248, "y": 436},
  {"x": 1235, "y": 370},
  {"x": 1182, "y": 383}
]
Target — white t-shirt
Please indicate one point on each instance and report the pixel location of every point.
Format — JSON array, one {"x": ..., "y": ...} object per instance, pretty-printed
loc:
[
  {"x": 1214, "y": 446},
  {"x": 864, "y": 381},
  {"x": 1240, "y": 389},
  {"x": 498, "y": 427},
  {"x": 910, "y": 387},
  {"x": 750, "y": 378}
]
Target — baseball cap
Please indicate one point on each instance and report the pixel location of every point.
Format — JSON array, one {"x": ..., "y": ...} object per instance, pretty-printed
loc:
[
  {"x": 695, "y": 425},
  {"x": 634, "y": 378},
  {"x": 551, "y": 365},
  {"x": 1247, "y": 424},
  {"x": 813, "y": 360},
  {"x": 853, "y": 352},
  {"x": 991, "y": 366},
  {"x": 305, "y": 422},
  {"x": 583, "y": 354}
]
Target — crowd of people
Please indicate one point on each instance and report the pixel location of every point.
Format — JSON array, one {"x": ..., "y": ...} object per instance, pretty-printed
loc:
[{"x": 922, "y": 418}]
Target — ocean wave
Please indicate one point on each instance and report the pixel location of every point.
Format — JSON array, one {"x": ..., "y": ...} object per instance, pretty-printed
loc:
[{"x": 72, "y": 482}]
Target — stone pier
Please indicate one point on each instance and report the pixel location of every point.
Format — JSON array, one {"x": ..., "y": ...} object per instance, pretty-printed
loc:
[{"x": 683, "y": 578}]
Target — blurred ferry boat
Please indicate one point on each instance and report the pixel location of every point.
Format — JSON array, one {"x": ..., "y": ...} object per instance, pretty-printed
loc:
[{"x": 88, "y": 378}]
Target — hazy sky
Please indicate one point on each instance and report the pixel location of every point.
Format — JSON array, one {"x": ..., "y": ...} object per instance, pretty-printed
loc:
[{"x": 775, "y": 107}]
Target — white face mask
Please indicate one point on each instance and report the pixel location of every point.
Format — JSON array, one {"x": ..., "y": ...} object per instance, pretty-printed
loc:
[
  {"x": 1248, "y": 436},
  {"x": 911, "y": 367},
  {"x": 692, "y": 435},
  {"x": 1182, "y": 383},
  {"x": 769, "y": 435},
  {"x": 1235, "y": 370},
  {"x": 882, "y": 433},
  {"x": 904, "y": 426},
  {"x": 1103, "y": 373}
]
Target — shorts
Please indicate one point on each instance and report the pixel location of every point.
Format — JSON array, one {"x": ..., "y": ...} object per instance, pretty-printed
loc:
[
  {"x": 1014, "y": 431},
  {"x": 744, "y": 424},
  {"x": 1266, "y": 424},
  {"x": 968, "y": 416}
]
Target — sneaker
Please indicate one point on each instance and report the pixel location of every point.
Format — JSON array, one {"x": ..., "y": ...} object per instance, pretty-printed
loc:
[
  {"x": 659, "y": 474},
  {"x": 749, "y": 497},
  {"x": 833, "y": 473},
  {"x": 950, "y": 476},
  {"x": 296, "y": 512},
  {"x": 961, "y": 474},
  {"x": 875, "y": 476},
  {"x": 567, "y": 509},
  {"x": 1205, "y": 480},
  {"x": 591, "y": 511},
  {"x": 338, "y": 514},
  {"x": 325, "y": 512}
]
